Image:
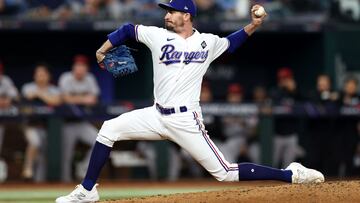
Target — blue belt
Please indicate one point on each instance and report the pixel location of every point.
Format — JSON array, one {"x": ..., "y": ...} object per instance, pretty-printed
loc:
[{"x": 168, "y": 111}]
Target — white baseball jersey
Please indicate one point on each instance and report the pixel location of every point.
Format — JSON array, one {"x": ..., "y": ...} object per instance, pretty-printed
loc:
[{"x": 179, "y": 64}]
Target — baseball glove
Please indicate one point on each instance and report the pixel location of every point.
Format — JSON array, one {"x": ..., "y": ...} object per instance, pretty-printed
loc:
[{"x": 119, "y": 61}]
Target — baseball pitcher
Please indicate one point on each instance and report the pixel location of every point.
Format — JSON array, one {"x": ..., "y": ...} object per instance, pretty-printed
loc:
[{"x": 181, "y": 55}]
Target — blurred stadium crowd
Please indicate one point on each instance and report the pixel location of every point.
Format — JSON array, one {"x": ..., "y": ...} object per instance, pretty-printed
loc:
[
  {"x": 237, "y": 136},
  {"x": 207, "y": 9}
]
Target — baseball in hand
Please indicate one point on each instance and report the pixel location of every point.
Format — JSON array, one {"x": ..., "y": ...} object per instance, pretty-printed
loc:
[{"x": 260, "y": 12}]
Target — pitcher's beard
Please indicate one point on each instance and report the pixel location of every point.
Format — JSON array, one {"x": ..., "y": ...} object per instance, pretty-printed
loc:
[
  {"x": 170, "y": 28},
  {"x": 174, "y": 28}
]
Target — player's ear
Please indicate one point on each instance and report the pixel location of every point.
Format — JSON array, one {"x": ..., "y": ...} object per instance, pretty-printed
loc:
[{"x": 187, "y": 17}]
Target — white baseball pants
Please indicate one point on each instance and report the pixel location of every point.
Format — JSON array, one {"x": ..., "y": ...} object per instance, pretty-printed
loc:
[{"x": 186, "y": 129}]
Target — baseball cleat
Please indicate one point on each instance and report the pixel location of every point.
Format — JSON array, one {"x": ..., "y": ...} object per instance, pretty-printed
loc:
[
  {"x": 80, "y": 195},
  {"x": 301, "y": 174}
]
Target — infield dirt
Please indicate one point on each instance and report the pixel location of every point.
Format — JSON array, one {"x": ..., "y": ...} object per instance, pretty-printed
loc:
[{"x": 331, "y": 191}]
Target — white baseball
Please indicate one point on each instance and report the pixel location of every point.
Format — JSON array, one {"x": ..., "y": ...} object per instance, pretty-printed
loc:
[{"x": 260, "y": 12}]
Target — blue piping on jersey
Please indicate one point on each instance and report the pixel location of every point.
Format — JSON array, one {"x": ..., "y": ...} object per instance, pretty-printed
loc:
[
  {"x": 119, "y": 36},
  {"x": 236, "y": 39}
]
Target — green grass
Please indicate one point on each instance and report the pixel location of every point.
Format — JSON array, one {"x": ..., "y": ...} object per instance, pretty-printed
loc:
[{"x": 49, "y": 195}]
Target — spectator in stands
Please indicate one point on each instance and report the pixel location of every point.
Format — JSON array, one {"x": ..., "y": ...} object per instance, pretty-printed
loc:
[
  {"x": 303, "y": 6},
  {"x": 260, "y": 95},
  {"x": 42, "y": 8},
  {"x": 347, "y": 125},
  {"x": 206, "y": 95},
  {"x": 349, "y": 96},
  {"x": 324, "y": 91},
  {"x": 235, "y": 93},
  {"x": 79, "y": 89},
  {"x": 8, "y": 96},
  {"x": 12, "y": 7},
  {"x": 286, "y": 127},
  {"x": 261, "y": 99},
  {"x": 89, "y": 9},
  {"x": 149, "y": 9},
  {"x": 132, "y": 8},
  {"x": 227, "y": 4},
  {"x": 38, "y": 92},
  {"x": 237, "y": 129},
  {"x": 136, "y": 8},
  {"x": 211, "y": 122},
  {"x": 115, "y": 9},
  {"x": 324, "y": 147},
  {"x": 93, "y": 8}
]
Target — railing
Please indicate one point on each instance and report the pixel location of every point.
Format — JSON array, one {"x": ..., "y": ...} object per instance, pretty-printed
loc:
[
  {"x": 55, "y": 116},
  {"x": 306, "y": 109}
]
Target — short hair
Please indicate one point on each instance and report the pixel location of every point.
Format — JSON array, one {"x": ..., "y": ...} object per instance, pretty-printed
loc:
[
  {"x": 81, "y": 58},
  {"x": 44, "y": 65},
  {"x": 352, "y": 78},
  {"x": 324, "y": 75}
]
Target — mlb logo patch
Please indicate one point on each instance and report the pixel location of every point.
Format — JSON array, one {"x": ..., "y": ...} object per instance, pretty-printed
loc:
[{"x": 203, "y": 44}]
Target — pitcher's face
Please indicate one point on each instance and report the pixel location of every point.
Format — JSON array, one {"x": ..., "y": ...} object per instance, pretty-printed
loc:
[{"x": 174, "y": 20}]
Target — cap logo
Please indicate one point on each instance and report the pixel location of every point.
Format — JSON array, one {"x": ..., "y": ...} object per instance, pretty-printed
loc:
[{"x": 186, "y": 8}]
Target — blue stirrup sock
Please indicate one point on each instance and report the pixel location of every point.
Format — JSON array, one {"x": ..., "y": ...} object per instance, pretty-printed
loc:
[
  {"x": 99, "y": 156},
  {"x": 250, "y": 171}
]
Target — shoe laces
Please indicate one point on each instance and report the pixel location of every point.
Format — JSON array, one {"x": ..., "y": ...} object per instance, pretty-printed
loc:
[{"x": 78, "y": 193}]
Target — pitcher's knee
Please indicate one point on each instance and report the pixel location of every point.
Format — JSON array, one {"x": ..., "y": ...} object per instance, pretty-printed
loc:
[
  {"x": 106, "y": 135},
  {"x": 227, "y": 176},
  {"x": 112, "y": 130}
]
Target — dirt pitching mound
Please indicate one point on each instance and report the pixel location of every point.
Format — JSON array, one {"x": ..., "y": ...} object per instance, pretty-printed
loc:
[{"x": 333, "y": 191}]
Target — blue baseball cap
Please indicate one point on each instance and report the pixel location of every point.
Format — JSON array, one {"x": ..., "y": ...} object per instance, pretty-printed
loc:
[{"x": 186, "y": 6}]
